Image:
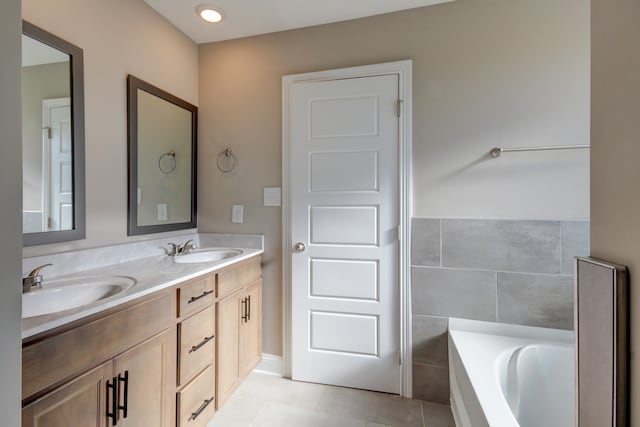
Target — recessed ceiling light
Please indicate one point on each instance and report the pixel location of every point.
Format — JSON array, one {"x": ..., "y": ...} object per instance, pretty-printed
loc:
[{"x": 208, "y": 13}]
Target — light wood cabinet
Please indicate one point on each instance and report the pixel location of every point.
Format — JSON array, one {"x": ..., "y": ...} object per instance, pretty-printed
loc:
[
  {"x": 168, "y": 359},
  {"x": 148, "y": 370},
  {"x": 115, "y": 369},
  {"x": 239, "y": 332},
  {"x": 251, "y": 330},
  {"x": 78, "y": 403}
]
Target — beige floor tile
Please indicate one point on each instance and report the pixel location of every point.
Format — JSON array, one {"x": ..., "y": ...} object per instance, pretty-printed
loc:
[
  {"x": 280, "y": 390},
  {"x": 436, "y": 415},
  {"x": 374, "y": 424},
  {"x": 279, "y": 415},
  {"x": 238, "y": 411},
  {"x": 371, "y": 406}
]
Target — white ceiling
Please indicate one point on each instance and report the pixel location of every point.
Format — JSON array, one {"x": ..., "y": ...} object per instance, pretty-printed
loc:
[{"x": 244, "y": 18}]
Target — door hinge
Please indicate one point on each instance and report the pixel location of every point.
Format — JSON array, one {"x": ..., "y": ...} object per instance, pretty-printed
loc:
[
  {"x": 399, "y": 107},
  {"x": 399, "y": 233},
  {"x": 49, "y": 133},
  {"x": 399, "y": 358}
]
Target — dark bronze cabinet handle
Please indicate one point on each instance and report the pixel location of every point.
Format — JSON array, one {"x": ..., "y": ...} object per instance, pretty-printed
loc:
[
  {"x": 245, "y": 314},
  {"x": 204, "y": 294},
  {"x": 124, "y": 380},
  {"x": 201, "y": 343},
  {"x": 202, "y": 407},
  {"x": 112, "y": 409},
  {"x": 249, "y": 308}
]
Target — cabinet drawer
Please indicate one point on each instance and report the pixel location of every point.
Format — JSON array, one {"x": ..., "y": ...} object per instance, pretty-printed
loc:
[
  {"x": 236, "y": 277},
  {"x": 196, "y": 344},
  {"x": 195, "y": 296},
  {"x": 196, "y": 404},
  {"x": 59, "y": 357}
]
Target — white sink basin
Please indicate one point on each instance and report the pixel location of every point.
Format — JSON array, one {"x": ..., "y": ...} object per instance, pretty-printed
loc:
[
  {"x": 207, "y": 255},
  {"x": 65, "y": 294}
]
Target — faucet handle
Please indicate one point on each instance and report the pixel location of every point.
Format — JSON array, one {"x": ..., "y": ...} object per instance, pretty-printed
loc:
[{"x": 174, "y": 249}]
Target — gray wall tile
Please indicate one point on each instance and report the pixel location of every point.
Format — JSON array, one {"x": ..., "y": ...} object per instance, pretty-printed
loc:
[
  {"x": 454, "y": 293},
  {"x": 431, "y": 383},
  {"x": 575, "y": 242},
  {"x": 425, "y": 242},
  {"x": 502, "y": 245},
  {"x": 430, "y": 340},
  {"x": 535, "y": 300}
]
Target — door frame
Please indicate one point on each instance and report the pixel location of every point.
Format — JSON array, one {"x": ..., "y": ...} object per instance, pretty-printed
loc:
[{"x": 403, "y": 69}]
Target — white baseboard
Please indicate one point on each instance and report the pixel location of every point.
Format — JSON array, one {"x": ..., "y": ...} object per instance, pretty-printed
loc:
[{"x": 271, "y": 364}]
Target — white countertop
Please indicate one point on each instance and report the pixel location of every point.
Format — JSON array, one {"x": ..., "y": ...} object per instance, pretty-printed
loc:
[{"x": 151, "y": 275}]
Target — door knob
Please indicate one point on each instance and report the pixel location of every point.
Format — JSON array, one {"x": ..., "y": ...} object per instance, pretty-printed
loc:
[{"x": 299, "y": 247}]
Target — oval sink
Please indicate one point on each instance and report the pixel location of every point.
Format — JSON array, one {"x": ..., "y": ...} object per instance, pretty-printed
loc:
[
  {"x": 207, "y": 256},
  {"x": 65, "y": 294}
]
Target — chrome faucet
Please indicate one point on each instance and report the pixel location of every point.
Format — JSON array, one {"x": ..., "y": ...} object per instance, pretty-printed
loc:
[
  {"x": 183, "y": 249},
  {"x": 33, "y": 279},
  {"x": 187, "y": 247}
]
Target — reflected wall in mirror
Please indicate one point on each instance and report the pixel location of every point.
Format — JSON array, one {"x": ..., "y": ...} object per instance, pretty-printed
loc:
[
  {"x": 52, "y": 138},
  {"x": 162, "y": 160}
]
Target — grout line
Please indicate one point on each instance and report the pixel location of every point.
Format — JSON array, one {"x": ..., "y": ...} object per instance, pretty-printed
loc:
[
  {"x": 424, "y": 418},
  {"x": 484, "y": 270},
  {"x": 441, "y": 239}
]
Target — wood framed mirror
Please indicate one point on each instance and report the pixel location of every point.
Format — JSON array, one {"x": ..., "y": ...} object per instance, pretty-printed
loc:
[
  {"x": 162, "y": 137},
  {"x": 52, "y": 138}
]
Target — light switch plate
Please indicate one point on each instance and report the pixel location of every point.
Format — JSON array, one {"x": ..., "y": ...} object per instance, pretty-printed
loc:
[
  {"x": 237, "y": 214},
  {"x": 272, "y": 196},
  {"x": 162, "y": 212}
]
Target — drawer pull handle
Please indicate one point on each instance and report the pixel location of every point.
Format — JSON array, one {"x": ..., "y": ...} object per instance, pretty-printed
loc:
[
  {"x": 245, "y": 312},
  {"x": 249, "y": 308},
  {"x": 112, "y": 391},
  {"x": 201, "y": 343},
  {"x": 124, "y": 379},
  {"x": 204, "y": 294},
  {"x": 202, "y": 407}
]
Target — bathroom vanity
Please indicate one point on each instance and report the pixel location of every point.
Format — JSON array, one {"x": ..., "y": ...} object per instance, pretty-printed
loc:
[{"x": 168, "y": 355}]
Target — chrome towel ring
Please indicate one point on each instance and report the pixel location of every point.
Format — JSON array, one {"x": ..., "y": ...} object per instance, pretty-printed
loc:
[
  {"x": 167, "y": 162},
  {"x": 226, "y": 161}
]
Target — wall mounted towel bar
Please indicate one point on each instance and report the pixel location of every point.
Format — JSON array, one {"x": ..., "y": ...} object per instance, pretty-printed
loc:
[{"x": 496, "y": 152}]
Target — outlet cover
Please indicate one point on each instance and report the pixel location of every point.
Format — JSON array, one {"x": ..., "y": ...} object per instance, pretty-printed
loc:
[{"x": 237, "y": 214}]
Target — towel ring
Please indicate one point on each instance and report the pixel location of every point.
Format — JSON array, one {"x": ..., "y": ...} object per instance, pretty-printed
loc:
[
  {"x": 228, "y": 156},
  {"x": 169, "y": 167}
]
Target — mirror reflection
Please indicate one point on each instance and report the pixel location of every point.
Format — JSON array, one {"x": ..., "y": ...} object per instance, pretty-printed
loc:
[
  {"x": 162, "y": 160},
  {"x": 47, "y": 138}
]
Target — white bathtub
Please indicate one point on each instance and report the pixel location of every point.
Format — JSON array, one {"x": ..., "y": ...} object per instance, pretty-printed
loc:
[{"x": 511, "y": 376}]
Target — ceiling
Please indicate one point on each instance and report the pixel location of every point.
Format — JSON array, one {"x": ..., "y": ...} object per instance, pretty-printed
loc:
[
  {"x": 244, "y": 18},
  {"x": 37, "y": 53}
]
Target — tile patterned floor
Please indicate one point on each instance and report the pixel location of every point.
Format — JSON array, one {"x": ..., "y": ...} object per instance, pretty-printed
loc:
[{"x": 269, "y": 401}]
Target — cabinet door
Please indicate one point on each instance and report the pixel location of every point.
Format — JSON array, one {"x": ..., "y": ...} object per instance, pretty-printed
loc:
[
  {"x": 82, "y": 402},
  {"x": 228, "y": 314},
  {"x": 150, "y": 370},
  {"x": 251, "y": 330}
]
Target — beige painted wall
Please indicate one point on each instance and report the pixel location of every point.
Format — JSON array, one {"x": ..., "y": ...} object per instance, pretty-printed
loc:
[
  {"x": 119, "y": 37},
  {"x": 10, "y": 213},
  {"x": 45, "y": 81},
  {"x": 615, "y": 140},
  {"x": 486, "y": 73}
]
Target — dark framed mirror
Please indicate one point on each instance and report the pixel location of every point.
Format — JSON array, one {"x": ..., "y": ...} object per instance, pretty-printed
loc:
[
  {"x": 162, "y": 137},
  {"x": 52, "y": 138}
]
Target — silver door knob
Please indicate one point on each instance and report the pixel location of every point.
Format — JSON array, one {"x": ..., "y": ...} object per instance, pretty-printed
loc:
[{"x": 299, "y": 247}]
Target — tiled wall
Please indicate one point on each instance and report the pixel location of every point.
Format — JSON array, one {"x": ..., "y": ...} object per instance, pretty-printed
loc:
[{"x": 510, "y": 271}]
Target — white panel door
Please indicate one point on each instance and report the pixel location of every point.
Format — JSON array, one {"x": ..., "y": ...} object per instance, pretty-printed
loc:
[
  {"x": 58, "y": 187},
  {"x": 344, "y": 206}
]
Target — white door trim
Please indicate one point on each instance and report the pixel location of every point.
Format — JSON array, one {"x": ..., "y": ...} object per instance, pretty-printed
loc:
[{"x": 404, "y": 71}]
